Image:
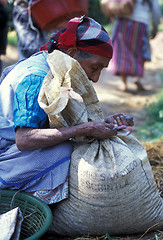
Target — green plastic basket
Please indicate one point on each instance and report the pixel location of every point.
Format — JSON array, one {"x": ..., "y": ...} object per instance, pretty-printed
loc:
[{"x": 37, "y": 215}]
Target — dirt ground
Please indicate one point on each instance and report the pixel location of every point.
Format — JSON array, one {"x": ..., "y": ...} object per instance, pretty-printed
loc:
[{"x": 132, "y": 103}]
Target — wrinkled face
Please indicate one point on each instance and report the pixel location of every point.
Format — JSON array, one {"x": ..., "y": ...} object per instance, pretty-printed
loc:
[{"x": 93, "y": 66}]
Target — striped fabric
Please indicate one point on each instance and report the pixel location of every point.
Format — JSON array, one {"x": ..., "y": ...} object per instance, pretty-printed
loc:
[
  {"x": 85, "y": 34},
  {"x": 55, "y": 195},
  {"x": 131, "y": 48}
]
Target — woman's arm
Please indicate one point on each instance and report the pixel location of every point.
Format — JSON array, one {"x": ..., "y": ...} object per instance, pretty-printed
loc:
[{"x": 31, "y": 138}]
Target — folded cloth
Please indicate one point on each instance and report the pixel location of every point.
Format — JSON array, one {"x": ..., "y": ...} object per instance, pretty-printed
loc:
[{"x": 10, "y": 224}]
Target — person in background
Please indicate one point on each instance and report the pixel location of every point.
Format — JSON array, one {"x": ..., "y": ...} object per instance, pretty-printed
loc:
[
  {"x": 3, "y": 29},
  {"x": 34, "y": 157},
  {"x": 30, "y": 36},
  {"x": 130, "y": 38}
]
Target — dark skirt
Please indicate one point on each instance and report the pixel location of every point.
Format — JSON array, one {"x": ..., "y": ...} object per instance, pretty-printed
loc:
[
  {"x": 3, "y": 29},
  {"x": 3, "y": 40},
  {"x": 131, "y": 47}
]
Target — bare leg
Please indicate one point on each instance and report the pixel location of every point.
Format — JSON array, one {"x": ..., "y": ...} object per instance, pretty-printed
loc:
[
  {"x": 124, "y": 80},
  {"x": 138, "y": 84}
]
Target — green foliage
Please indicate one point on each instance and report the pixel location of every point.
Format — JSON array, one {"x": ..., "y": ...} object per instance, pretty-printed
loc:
[
  {"x": 155, "y": 109},
  {"x": 110, "y": 238},
  {"x": 12, "y": 38},
  {"x": 156, "y": 237},
  {"x": 161, "y": 3},
  {"x": 10, "y": 10},
  {"x": 150, "y": 132},
  {"x": 152, "y": 129},
  {"x": 95, "y": 12}
]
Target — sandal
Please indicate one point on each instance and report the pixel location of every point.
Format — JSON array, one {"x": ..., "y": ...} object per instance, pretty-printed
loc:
[{"x": 140, "y": 86}]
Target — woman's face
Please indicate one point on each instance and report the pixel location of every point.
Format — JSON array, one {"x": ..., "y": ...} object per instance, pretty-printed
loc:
[{"x": 93, "y": 66}]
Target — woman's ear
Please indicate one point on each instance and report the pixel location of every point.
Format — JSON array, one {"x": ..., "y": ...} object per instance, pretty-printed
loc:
[{"x": 72, "y": 52}]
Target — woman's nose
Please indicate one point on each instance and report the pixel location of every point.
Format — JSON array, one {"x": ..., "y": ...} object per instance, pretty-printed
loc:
[{"x": 95, "y": 77}]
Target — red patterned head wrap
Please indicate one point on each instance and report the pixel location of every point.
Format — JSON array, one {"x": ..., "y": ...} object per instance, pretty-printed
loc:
[{"x": 85, "y": 34}]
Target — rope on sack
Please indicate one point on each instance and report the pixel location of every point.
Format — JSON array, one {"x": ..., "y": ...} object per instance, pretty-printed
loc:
[{"x": 124, "y": 127}]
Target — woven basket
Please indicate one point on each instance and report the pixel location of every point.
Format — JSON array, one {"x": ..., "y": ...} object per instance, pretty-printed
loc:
[
  {"x": 54, "y": 14},
  {"x": 38, "y": 214}
]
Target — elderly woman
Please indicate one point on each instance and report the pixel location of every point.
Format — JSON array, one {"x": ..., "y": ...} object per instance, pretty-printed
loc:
[{"x": 34, "y": 157}]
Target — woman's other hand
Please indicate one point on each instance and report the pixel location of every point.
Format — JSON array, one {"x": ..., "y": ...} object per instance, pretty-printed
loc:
[{"x": 120, "y": 119}]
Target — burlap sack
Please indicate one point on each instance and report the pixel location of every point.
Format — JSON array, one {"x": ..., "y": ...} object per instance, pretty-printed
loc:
[{"x": 111, "y": 185}]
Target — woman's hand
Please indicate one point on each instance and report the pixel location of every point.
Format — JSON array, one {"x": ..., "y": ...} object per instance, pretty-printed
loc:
[
  {"x": 101, "y": 130},
  {"x": 120, "y": 119}
]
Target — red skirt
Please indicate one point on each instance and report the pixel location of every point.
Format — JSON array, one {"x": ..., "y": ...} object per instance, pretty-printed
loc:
[{"x": 131, "y": 48}]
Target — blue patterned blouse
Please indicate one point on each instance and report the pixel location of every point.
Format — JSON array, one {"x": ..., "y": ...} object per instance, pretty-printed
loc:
[{"x": 26, "y": 110}]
